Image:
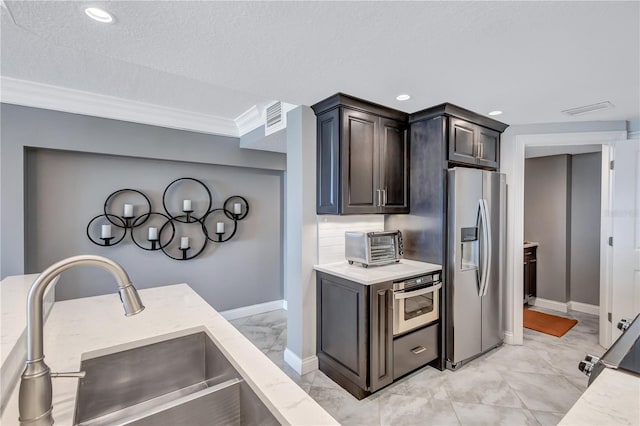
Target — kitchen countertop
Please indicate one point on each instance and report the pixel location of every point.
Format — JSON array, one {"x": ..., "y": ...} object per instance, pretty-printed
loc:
[
  {"x": 612, "y": 399},
  {"x": 98, "y": 323},
  {"x": 377, "y": 274},
  {"x": 529, "y": 244}
]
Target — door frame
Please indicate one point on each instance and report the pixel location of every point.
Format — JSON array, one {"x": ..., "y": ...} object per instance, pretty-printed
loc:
[{"x": 514, "y": 170}]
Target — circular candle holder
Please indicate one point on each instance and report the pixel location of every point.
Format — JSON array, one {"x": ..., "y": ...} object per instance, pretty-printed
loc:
[
  {"x": 183, "y": 256},
  {"x": 164, "y": 242},
  {"x": 155, "y": 244},
  {"x": 188, "y": 217},
  {"x": 106, "y": 242},
  {"x": 229, "y": 212},
  {"x": 127, "y": 222},
  {"x": 219, "y": 238}
]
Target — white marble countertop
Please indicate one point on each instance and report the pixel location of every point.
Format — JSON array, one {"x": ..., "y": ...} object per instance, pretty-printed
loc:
[
  {"x": 528, "y": 244},
  {"x": 377, "y": 274},
  {"x": 612, "y": 399},
  {"x": 97, "y": 323}
]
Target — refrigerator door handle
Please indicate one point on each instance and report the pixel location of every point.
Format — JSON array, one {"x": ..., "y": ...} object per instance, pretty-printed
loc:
[{"x": 486, "y": 248}]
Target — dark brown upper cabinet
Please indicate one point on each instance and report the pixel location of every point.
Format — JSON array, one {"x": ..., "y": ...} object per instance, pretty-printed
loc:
[
  {"x": 362, "y": 158},
  {"x": 472, "y": 139},
  {"x": 472, "y": 144}
]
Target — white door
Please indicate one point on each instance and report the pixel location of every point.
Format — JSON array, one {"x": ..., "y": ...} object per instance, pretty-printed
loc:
[{"x": 625, "y": 288}]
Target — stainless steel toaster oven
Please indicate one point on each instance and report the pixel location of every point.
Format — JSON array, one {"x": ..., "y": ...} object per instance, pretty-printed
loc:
[{"x": 373, "y": 248}]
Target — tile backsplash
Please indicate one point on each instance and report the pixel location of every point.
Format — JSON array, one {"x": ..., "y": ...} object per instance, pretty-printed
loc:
[{"x": 331, "y": 231}]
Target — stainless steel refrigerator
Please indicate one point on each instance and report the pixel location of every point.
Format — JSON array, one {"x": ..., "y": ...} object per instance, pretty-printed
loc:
[{"x": 475, "y": 252}]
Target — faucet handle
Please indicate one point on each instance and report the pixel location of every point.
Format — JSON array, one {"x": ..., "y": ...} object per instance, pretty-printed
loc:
[{"x": 70, "y": 374}]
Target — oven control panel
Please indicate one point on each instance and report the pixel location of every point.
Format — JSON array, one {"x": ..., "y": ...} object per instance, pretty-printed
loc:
[{"x": 421, "y": 281}]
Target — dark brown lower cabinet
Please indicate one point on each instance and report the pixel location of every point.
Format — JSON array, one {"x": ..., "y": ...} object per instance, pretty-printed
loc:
[
  {"x": 355, "y": 333},
  {"x": 530, "y": 271}
]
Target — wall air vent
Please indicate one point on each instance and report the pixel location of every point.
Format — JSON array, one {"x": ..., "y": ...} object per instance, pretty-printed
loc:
[
  {"x": 275, "y": 118},
  {"x": 588, "y": 108}
]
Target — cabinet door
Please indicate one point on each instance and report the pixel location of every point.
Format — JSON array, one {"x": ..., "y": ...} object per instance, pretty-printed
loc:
[
  {"x": 342, "y": 329},
  {"x": 525, "y": 281},
  {"x": 381, "y": 336},
  {"x": 488, "y": 147},
  {"x": 533, "y": 262},
  {"x": 462, "y": 142},
  {"x": 360, "y": 174},
  {"x": 394, "y": 176},
  {"x": 328, "y": 163}
]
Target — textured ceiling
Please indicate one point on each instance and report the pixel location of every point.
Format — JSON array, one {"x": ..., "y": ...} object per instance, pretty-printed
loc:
[{"x": 529, "y": 59}]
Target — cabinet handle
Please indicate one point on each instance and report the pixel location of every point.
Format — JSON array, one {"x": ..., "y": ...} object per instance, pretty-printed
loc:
[
  {"x": 379, "y": 192},
  {"x": 418, "y": 350},
  {"x": 384, "y": 197}
]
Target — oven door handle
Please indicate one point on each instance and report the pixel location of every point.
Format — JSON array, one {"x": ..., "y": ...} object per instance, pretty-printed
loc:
[{"x": 405, "y": 295}]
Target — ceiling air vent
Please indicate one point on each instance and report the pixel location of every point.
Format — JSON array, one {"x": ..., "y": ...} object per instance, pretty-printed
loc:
[
  {"x": 588, "y": 108},
  {"x": 276, "y": 118}
]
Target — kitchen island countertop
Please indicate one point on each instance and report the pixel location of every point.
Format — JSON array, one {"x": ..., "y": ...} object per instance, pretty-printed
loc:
[
  {"x": 612, "y": 399},
  {"x": 377, "y": 274},
  {"x": 91, "y": 324}
]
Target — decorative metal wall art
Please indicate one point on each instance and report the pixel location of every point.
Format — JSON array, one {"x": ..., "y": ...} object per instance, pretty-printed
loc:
[{"x": 194, "y": 218}]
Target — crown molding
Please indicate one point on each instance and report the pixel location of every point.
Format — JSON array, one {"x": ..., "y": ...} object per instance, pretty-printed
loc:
[
  {"x": 249, "y": 120},
  {"x": 38, "y": 95}
]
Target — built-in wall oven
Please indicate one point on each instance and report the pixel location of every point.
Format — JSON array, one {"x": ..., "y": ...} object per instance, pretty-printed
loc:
[
  {"x": 416, "y": 312},
  {"x": 416, "y": 302}
]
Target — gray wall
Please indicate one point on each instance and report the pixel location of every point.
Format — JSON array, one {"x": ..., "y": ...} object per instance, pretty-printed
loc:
[
  {"x": 585, "y": 228},
  {"x": 22, "y": 127},
  {"x": 52, "y": 183},
  {"x": 545, "y": 221},
  {"x": 302, "y": 239}
]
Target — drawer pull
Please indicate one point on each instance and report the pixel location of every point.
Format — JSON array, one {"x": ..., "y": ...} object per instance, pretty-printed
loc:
[{"x": 418, "y": 350}]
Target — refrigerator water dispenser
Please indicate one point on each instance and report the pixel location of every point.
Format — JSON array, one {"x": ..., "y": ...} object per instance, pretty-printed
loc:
[{"x": 469, "y": 254}]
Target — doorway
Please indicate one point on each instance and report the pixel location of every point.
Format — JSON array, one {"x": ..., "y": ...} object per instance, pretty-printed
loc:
[
  {"x": 515, "y": 221},
  {"x": 562, "y": 215}
]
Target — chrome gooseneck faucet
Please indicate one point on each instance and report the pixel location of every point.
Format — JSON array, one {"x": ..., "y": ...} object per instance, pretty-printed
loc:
[{"x": 34, "y": 399}]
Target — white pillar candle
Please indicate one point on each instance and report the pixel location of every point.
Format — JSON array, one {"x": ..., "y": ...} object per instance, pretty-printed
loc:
[
  {"x": 184, "y": 242},
  {"x": 153, "y": 233},
  {"x": 128, "y": 210},
  {"x": 237, "y": 208},
  {"x": 186, "y": 205},
  {"x": 106, "y": 231},
  {"x": 220, "y": 228}
]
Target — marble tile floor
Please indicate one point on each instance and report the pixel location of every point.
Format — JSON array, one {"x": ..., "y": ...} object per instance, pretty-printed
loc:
[{"x": 532, "y": 384}]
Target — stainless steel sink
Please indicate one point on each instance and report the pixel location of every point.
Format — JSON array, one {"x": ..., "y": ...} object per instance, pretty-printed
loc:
[{"x": 179, "y": 381}]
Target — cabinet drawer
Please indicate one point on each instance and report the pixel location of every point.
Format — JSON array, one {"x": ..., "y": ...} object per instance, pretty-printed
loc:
[{"x": 414, "y": 350}]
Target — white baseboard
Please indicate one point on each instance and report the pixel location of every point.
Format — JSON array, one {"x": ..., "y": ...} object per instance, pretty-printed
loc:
[
  {"x": 584, "y": 307},
  {"x": 565, "y": 307},
  {"x": 550, "y": 304},
  {"x": 301, "y": 366},
  {"x": 284, "y": 305},
  {"x": 508, "y": 337},
  {"x": 246, "y": 311}
]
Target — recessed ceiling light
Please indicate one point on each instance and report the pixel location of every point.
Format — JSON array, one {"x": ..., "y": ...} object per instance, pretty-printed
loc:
[
  {"x": 99, "y": 15},
  {"x": 495, "y": 112},
  {"x": 403, "y": 97}
]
